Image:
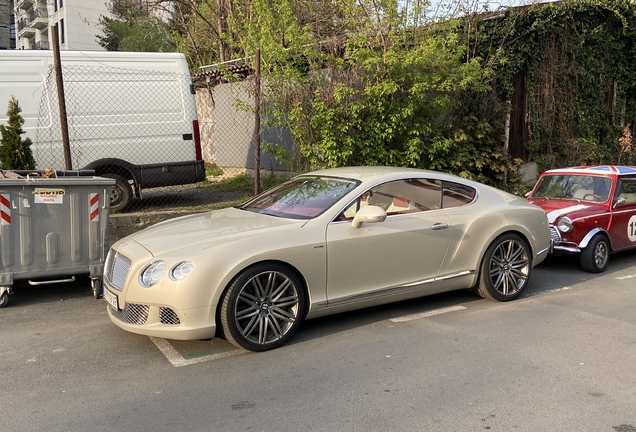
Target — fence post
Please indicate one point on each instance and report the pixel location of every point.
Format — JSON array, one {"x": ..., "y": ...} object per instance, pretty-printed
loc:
[
  {"x": 68, "y": 164},
  {"x": 257, "y": 123}
]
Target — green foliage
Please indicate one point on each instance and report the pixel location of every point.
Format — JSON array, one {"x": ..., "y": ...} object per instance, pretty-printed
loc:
[
  {"x": 399, "y": 97},
  {"x": 134, "y": 27},
  {"x": 15, "y": 152},
  {"x": 578, "y": 61},
  {"x": 245, "y": 183},
  {"x": 214, "y": 172},
  {"x": 380, "y": 83}
]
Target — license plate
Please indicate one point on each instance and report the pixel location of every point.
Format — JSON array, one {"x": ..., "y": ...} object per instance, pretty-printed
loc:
[{"x": 111, "y": 299}]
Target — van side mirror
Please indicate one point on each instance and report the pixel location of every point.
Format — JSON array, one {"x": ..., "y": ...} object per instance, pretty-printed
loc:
[{"x": 368, "y": 214}]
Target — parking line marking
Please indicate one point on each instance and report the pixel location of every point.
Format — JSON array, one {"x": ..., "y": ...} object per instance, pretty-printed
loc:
[
  {"x": 178, "y": 360},
  {"x": 548, "y": 291},
  {"x": 426, "y": 314},
  {"x": 626, "y": 277}
]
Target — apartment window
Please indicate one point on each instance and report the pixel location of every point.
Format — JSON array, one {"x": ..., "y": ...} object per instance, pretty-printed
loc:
[
  {"x": 61, "y": 3},
  {"x": 61, "y": 30},
  {"x": 55, "y": 5}
]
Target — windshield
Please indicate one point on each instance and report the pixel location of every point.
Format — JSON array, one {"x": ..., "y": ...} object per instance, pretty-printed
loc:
[
  {"x": 302, "y": 197},
  {"x": 578, "y": 187}
]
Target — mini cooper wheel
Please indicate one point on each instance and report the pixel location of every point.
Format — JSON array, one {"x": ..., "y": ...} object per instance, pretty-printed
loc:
[
  {"x": 505, "y": 269},
  {"x": 262, "y": 307},
  {"x": 595, "y": 256}
]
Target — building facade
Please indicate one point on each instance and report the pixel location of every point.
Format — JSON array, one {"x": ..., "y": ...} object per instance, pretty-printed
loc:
[
  {"x": 7, "y": 25},
  {"x": 77, "y": 23}
]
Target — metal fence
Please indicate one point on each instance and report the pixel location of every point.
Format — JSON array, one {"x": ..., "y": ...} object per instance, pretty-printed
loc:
[{"x": 167, "y": 147}]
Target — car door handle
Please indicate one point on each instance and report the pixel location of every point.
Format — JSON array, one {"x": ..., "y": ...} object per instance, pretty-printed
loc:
[{"x": 439, "y": 226}]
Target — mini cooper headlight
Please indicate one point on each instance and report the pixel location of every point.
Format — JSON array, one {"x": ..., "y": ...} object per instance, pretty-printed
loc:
[
  {"x": 564, "y": 224},
  {"x": 152, "y": 274},
  {"x": 181, "y": 270}
]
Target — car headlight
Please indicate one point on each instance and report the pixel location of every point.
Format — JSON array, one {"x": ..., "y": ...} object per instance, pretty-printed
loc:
[
  {"x": 152, "y": 274},
  {"x": 181, "y": 270},
  {"x": 564, "y": 224}
]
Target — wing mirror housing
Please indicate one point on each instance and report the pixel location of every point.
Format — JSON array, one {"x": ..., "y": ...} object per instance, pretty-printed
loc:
[
  {"x": 368, "y": 214},
  {"x": 619, "y": 201}
]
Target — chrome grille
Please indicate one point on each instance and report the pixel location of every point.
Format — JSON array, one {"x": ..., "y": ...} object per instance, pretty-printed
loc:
[
  {"x": 133, "y": 314},
  {"x": 168, "y": 316},
  {"x": 554, "y": 234},
  {"x": 116, "y": 269}
]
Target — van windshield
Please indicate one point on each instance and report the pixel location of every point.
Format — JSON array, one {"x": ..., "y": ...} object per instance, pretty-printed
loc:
[{"x": 301, "y": 198}]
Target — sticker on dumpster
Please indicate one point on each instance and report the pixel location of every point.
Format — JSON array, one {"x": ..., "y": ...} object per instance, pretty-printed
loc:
[
  {"x": 5, "y": 210},
  {"x": 48, "y": 196},
  {"x": 93, "y": 203}
]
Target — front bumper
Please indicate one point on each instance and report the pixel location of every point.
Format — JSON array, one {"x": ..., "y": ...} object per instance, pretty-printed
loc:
[
  {"x": 165, "y": 311},
  {"x": 558, "y": 245},
  {"x": 164, "y": 322}
]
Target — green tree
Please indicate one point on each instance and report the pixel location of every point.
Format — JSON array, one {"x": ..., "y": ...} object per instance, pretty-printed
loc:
[
  {"x": 135, "y": 27},
  {"x": 15, "y": 152}
]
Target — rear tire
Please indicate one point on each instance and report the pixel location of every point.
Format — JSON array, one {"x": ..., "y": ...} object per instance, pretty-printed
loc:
[
  {"x": 120, "y": 193},
  {"x": 505, "y": 269},
  {"x": 595, "y": 256}
]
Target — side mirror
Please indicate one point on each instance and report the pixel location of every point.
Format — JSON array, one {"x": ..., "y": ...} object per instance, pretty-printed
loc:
[
  {"x": 619, "y": 201},
  {"x": 369, "y": 214}
]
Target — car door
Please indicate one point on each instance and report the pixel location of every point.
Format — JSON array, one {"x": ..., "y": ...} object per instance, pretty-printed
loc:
[
  {"x": 405, "y": 250},
  {"x": 623, "y": 226}
]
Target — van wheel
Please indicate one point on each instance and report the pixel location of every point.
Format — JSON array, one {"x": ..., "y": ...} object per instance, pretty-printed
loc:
[{"x": 120, "y": 193}]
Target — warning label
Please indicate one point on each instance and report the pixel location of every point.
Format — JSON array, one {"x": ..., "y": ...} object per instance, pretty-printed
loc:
[{"x": 48, "y": 196}]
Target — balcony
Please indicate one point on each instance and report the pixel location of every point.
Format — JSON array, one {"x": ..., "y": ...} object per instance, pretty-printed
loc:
[
  {"x": 24, "y": 4},
  {"x": 41, "y": 45},
  {"x": 35, "y": 19},
  {"x": 40, "y": 18},
  {"x": 24, "y": 28}
]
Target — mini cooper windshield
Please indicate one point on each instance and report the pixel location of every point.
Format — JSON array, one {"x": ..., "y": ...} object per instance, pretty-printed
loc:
[
  {"x": 301, "y": 198},
  {"x": 578, "y": 187}
]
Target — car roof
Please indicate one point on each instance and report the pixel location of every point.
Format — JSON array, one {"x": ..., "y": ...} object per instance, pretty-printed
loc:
[
  {"x": 364, "y": 173},
  {"x": 595, "y": 170}
]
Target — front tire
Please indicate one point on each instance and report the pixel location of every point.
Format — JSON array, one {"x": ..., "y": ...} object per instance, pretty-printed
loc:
[
  {"x": 262, "y": 307},
  {"x": 595, "y": 256},
  {"x": 120, "y": 193},
  {"x": 505, "y": 269}
]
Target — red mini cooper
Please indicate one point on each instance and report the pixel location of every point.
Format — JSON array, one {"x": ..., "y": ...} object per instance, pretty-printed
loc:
[{"x": 591, "y": 211}]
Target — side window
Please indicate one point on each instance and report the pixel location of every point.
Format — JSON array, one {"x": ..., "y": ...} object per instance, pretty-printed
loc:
[
  {"x": 399, "y": 197},
  {"x": 456, "y": 195},
  {"x": 628, "y": 190}
]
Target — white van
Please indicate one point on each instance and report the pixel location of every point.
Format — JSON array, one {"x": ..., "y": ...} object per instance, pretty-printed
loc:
[{"x": 131, "y": 115}]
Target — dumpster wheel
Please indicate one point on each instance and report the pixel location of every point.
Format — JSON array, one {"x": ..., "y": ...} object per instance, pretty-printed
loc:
[
  {"x": 4, "y": 298},
  {"x": 96, "y": 284}
]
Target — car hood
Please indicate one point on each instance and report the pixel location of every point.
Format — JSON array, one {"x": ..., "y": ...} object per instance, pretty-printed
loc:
[
  {"x": 555, "y": 208},
  {"x": 206, "y": 228}
]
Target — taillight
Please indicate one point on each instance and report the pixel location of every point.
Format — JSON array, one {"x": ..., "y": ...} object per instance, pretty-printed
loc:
[{"x": 197, "y": 139}]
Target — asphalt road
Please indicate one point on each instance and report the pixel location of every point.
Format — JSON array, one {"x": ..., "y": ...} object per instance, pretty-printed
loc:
[{"x": 561, "y": 358}]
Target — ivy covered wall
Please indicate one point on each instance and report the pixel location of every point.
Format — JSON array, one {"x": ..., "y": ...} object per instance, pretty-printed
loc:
[{"x": 574, "y": 63}]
